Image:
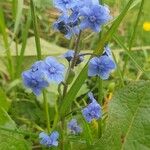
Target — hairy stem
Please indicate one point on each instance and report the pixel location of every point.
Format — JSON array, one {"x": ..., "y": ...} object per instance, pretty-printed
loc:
[
  {"x": 100, "y": 100},
  {"x": 46, "y": 111},
  {"x": 71, "y": 67},
  {"x": 76, "y": 52}
]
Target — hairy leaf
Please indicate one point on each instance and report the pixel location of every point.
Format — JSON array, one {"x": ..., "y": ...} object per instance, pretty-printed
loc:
[
  {"x": 128, "y": 126},
  {"x": 10, "y": 141},
  {"x": 4, "y": 102}
]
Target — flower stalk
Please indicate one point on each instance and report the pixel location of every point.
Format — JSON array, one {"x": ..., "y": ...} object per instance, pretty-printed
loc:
[{"x": 46, "y": 111}]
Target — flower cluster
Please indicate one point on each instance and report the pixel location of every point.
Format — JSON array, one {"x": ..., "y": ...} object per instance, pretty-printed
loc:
[
  {"x": 76, "y": 16},
  {"x": 74, "y": 127},
  {"x": 42, "y": 73},
  {"x": 93, "y": 110},
  {"x": 49, "y": 140},
  {"x": 102, "y": 65},
  {"x": 79, "y": 15}
]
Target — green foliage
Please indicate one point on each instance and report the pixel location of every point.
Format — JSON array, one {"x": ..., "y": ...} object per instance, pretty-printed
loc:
[
  {"x": 26, "y": 34},
  {"x": 18, "y": 15},
  {"x": 4, "y": 102},
  {"x": 27, "y": 110},
  {"x": 5, "y": 120},
  {"x": 128, "y": 120},
  {"x": 8, "y": 140}
]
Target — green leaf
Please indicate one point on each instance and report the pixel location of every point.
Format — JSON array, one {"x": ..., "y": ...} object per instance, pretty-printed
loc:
[
  {"x": 18, "y": 10},
  {"x": 6, "y": 44},
  {"x": 4, "y": 102},
  {"x": 5, "y": 119},
  {"x": 136, "y": 2},
  {"x": 128, "y": 124},
  {"x": 73, "y": 91},
  {"x": 27, "y": 109},
  {"x": 35, "y": 27},
  {"x": 10, "y": 141}
]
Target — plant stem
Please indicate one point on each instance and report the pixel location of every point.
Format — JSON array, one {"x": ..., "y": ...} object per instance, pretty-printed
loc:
[
  {"x": 46, "y": 111},
  {"x": 100, "y": 99},
  {"x": 100, "y": 90},
  {"x": 62, "y": 131},
  {"x": 19, "y": 132},
  {"x": 71, "y": 67},
  {"x": 73, "y": 63}
]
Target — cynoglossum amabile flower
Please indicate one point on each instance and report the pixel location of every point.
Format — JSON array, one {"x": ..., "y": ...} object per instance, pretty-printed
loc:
[
  {"x": 73, "y": 127},
  {"x": 37, "y": 66},
  {"x": 94, "y": 17},
  {"x": 49, "y": 140},
  {"x": 93, "y": 110},
  {"x": 101, "y": 66},
  {"x": 53, "y": 70},
  {"x": 67, "y": 25},
  {"x": 63, "y": 5},
  {"x": 36, "y": 81}
]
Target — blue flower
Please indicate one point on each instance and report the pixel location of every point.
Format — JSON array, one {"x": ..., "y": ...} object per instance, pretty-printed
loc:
[
  {"x": 74, "y": 127},
  {"x": 70, "y": 54},
  {"x": 94, "y": 17},
  {"x": 93, "y": 110},
  {"x": 67, "y": 25},
  {"x": 87, "y": 3},
  {"x": 37, "y": 66},
  {"x": 101, "y": 66},
  {"x": 63, "y": 5},
  {"x": 53, "y": 70},
  {"x": 35, "y": 80},
  {"x": 49, "y": 140}
]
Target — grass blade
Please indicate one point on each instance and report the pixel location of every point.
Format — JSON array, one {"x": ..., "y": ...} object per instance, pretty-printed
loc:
[
  {"x": 6, "y": 44},
  {"x": 18, "y": 15},
  {"x": 128, "y": 52},
  {"x": 35, "y": 27},
  {"x": 24, "y": 41}
]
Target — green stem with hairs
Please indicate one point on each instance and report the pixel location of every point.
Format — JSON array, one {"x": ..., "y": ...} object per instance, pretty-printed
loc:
[
  {"x": 46, "y": 111},
  {"x": 100, "y": 100},
  {"x": 71, "y": 67},
  {"x": 73, "y": 63}
]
